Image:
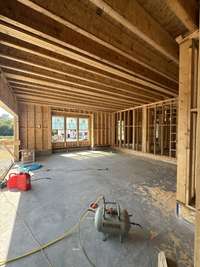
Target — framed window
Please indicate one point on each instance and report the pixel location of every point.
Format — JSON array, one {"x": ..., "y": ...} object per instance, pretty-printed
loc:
[
  {"x": 83, "y": 129},
  {"x": 71, "y": 129},
  {"x": 58, "y": 129}
]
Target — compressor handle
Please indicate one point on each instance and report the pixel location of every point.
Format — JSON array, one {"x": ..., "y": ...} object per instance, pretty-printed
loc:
[{"x": 112, "y": 203}]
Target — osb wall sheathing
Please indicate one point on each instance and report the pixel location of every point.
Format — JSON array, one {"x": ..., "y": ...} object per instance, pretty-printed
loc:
[
  {"x": 102, "y": 128},
  {"x": 35, "y": 127}
]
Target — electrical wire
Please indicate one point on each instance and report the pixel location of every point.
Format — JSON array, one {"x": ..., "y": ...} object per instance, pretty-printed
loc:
[{"x": 67, "y": 233}]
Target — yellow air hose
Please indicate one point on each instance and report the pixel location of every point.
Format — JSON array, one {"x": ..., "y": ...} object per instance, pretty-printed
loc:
[{"x": 48, "y": 244}]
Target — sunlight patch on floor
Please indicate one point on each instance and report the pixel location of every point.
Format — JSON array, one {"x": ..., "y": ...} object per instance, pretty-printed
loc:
[
  {"x": 9, "y": 202},
  {"x": 87, "y": 155}
]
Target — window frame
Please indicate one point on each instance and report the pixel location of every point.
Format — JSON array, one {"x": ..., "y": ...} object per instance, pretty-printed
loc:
[{"x": 77, "y": 117}]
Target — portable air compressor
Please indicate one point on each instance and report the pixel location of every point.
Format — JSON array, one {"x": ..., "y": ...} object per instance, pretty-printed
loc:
[{"x": 110, "y": 219}]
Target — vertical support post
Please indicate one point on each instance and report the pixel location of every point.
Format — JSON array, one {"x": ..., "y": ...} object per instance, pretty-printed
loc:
[
  {"x": 185, "y": 87},
  {"x": 97, "y": 128},
  {"x": 128, "y": 129},
  {"x": 92, "y": 130},
  {"x": 197, "y": 171},
  {"x": 101, "y": 128},
  {"x": 170, "y": 131},
  {"x": 113, "y": 128},
  {"x": 16, "y": 137},
  {"x": 154, "y": 131},
  {"x": 120, "y": 123},
  {"x": 77, "y": 131},
  {"x": 144, "y": 129},
  {"x": 162, "y": 132},
  {"x": 133, "y": 146}
]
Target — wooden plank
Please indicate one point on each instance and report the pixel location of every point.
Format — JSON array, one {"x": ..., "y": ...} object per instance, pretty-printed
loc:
[
  {"x": 162, "y": 262},
  {"x": 139, "y": 22},
  {"x": 54, "y": 101},
  {"x": 186, "y": 11},
  {"x": 128, "y": 129},
  {"x": 11, "y": 31},
  {"x": 144, "y": 129},
  {"x": 92, "y": 130},
  {"x": 112, "y": 81},
  {"x": 184, "y": 121},
  {"x": 69, "y": 86},
  {"x": 197, "y": 170},
  {"x": 63, "y": 16},
  {"x": 134, "y": 130}
]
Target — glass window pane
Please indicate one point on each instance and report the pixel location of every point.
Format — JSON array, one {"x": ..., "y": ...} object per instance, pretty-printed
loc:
[
  {"x": 58, "y": 134},
  {"x": 71, "y": 129},
  {"x": 83, "y": 129}
]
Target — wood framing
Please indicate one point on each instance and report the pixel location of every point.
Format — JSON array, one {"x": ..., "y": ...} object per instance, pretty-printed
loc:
[
  {"x": 151, "y": 128},
  {"x": 186, "y": 11},
  {"x": 197, "y": 170},
  {"x": 7, "y": 98},
  {"x": 149, "y": 30}
]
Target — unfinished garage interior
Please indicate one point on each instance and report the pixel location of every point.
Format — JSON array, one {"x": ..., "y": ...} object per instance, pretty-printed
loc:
[{"x": 106, "y": 105}]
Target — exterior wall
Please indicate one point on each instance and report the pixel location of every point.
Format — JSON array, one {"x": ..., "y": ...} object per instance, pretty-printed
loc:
[
  {"x": 35, "y": 127},
  {"x": 102, "y": 129}
]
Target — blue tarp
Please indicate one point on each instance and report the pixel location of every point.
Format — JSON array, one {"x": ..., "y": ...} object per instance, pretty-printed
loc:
[{"x": 30, "y": 167}]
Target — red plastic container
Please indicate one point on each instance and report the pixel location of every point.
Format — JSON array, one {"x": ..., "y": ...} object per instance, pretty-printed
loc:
[{"x": 21, "y": 181}]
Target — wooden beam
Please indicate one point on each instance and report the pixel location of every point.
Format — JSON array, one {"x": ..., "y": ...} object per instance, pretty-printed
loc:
[
  {"x": 103, "y": 77},
  {"x": 52, "y": 84},
  {"x": 30, "y": 68},
  {"x": 64, "y": 96},
  {"x": 197, "y": 170},
  {"x": 186, "y": 11},
  {"x": 139, "y": 22},
  {"x": 62, "y": 16},
  {"x": 60, "y": 106},
  {"x": 11, "y": 31},
  {"x": 60, "y": 103},
  {"x": 59, "y": 92}
]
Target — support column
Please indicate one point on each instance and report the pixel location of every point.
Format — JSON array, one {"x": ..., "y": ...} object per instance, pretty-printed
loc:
[
  {"x": 185, "y": 87},
  {"x": 120, "y": 136},
  {"x": 133, "y": 145},
  {"x": 16, "y": 137},
  {"x": 144, "y": 129},
  {"x": 197, "y": 228},
  {"x": 92, "y": 130}
]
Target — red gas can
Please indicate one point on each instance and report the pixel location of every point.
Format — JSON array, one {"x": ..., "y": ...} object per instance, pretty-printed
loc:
[{"x": 21, "y": 181}]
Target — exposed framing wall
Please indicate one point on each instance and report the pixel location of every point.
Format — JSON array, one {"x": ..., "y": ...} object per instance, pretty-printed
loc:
[{"x": 149, "y": 128}]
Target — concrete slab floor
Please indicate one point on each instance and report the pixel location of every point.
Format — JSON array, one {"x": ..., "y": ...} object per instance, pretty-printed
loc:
[{"x": 143, "y": 186}]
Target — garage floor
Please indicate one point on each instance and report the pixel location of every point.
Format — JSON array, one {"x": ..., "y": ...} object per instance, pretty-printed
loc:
[{"x": 145, "y": 187}]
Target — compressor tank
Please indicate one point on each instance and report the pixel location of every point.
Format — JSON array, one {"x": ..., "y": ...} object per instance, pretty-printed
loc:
[{"x": 112, "y": 221}]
